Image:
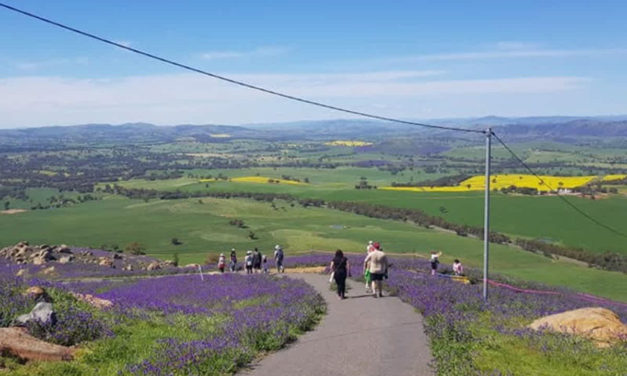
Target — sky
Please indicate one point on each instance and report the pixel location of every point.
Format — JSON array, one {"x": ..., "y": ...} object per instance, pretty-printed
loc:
[{"x": 403, "y": 59}]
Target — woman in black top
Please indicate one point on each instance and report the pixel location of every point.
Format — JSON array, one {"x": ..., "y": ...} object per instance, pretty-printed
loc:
[{"x": 340, "y": 268}]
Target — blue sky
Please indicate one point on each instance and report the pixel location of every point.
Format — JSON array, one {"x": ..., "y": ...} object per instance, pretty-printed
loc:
[{"x": 407, "y": 59}]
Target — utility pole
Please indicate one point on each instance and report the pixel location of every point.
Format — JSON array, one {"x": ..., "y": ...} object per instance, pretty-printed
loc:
[{"x": 486, "y": 215}]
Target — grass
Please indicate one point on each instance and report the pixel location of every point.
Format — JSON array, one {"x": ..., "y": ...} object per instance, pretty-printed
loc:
[
  {"x": 545, "y": 217},
  {"x": 204, "y": 229}
]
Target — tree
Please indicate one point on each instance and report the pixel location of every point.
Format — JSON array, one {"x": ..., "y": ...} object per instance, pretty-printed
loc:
[
  {"x": 7, "y": 205},
  {"x": 135, "y": 248},
  {"x": 176, "y": 241}
]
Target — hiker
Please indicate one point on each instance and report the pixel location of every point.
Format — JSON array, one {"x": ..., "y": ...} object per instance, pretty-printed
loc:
[
  {"x": 377, "y": 263},
  {"x": 221, "y": 263},
  {"x": 264, "y": 259},
  {"x": 278, "y": 259},
  {"x": 248, "y": 261},
  {"x": 369, "y": 249},
  {"x": 458, "y": 269},
  {"x": 256, "y": 261},
  {"x": 340, "y": 268},
  {"x": 435, "y": 261},
  {"x": 233, "y": 262}
]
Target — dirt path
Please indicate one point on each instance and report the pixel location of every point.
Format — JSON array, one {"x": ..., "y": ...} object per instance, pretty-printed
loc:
[{"x": 359, "y": 336}]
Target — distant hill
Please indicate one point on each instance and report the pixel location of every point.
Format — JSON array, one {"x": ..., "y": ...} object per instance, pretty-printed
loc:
[{"x": 556, "y": 128}]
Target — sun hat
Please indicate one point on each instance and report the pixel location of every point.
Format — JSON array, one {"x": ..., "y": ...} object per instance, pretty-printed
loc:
[
  {"x": 249, "y": 252},
  {"x": 377, "y": 245},
  {"x": 369, "y": 241},
  {"x": 276, "y": 246},
  {"x": 221, "y": 254}
]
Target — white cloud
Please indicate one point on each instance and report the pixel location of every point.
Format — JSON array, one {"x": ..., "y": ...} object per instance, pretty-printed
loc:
[
  {"x": 257, "y": 52},
  {"x": 505, "y": 52},
  {"x": 190, "y": 98}
]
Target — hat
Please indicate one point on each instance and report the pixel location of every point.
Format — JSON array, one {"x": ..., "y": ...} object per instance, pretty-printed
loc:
[
  {"x": 221, "y": 254},
  {"x": 232, "y": 249},
  {"x": 369, "y": 241},
  {"x": 249, "y": 252},
  {"x": 377, "y": 245},
  {"x": 276, "y": 246}
]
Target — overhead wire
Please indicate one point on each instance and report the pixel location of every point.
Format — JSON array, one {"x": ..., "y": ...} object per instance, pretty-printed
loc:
[
  {"x": 300, "y": 99},
  {"x": 237, "y": 82}
]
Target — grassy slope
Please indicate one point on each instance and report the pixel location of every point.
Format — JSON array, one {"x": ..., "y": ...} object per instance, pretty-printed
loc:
[
  {"x": 534, "y": 217},
  {"x": 204, "y": 229}
]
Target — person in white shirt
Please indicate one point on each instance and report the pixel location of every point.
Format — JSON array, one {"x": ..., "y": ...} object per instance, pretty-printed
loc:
[{"x": 458, "y": 269}]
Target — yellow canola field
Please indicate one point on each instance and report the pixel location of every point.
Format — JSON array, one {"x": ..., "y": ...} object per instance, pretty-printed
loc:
[
  {"x": 477, "y": 183},
  {"x": 614, "y": 177},
  {"x": 255, "y": 179},
  {"x": 348, "y": 143}
]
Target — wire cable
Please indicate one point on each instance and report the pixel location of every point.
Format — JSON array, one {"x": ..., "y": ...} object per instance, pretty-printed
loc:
[
  {"x": 236, "y": 82},
  {"x": 568, "y": 202}
]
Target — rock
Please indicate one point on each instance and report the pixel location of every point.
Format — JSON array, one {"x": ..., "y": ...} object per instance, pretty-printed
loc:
[
  {"x": 128, "y": 268},
  {"x": 598, "y": 324},
  {"x": 195, "y": 266},
  {"x": 169, "y": 263},
  {"x": 66, "y": 259},
  {"x": 93, "y": 300},
  {"x": 42, "y": 313},
  {"x": 48, "y": 271},
  {"x": 39, "y": 261},
  {"x": 64, "y": 249},
  {"x": 117, "y": 256},
  {"x": 104, "y": 261},
  {"x": 20, "y": 272},
  {"x": 18, "y": 342},
  {"x": 35, "y": 292},
  {"x": 153, "y": 266}
]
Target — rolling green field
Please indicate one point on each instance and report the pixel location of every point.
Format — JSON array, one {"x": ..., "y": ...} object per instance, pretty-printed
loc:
[
  {"x": 537, "y": 217},
  {"x": 204, "y": 228}
]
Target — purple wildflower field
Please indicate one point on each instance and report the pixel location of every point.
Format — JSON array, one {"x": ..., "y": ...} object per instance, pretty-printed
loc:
[{"x": 213, "y": 325}]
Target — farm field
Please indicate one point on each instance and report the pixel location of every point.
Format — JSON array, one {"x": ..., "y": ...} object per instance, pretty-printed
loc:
[
  {"x": 537, "y": 217},
  {"x": 204, "y": 228}
]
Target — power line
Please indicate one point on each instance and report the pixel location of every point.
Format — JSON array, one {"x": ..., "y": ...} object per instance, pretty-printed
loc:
[
  {"x": 233, "y": 81},
  {"x": 566, "y": 201},
  {"x": 299, "y": 99}
]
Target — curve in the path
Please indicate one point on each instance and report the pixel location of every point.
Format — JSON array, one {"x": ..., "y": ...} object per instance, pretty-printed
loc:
[{"x": 360, "y": 336}]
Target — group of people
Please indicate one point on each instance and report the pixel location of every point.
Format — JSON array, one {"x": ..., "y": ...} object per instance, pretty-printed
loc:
[
  {"x": 375, "y": 269},
  {"x": 458, "y": 268},
  {"x": 254, "y": 261}
]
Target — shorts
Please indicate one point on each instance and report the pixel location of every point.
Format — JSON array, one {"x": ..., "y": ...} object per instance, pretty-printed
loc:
[
  {"x": 377, "y": 276},
  {"x": 434, "y": 265}
]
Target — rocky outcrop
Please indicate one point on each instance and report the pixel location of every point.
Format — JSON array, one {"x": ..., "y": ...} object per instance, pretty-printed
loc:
[
  {"x": 48, "y": 256},
  {"x": 41, "y": 313},
  {"x": 17, "y": 342},
  {"x": 598, "y": 324},
  {"x": 93, "y": 300}
]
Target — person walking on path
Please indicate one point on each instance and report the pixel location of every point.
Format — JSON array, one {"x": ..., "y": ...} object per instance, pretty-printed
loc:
[
  {"x": 278, "y": 259},
  {"x": 369, "y": 249},
  {"x": 233, "y": 262},
  {"x": 264, "y": 260},
  {"x": 248, "y": 262},
  {"x": 340, "y": 268},
  {"x": 377, "y": 263},
  {"x": 458, "y": 269},
  {"x": 435, "y": 261},
  {"x": 256, "y": 261},
  {"x": 221, "y": 263}
]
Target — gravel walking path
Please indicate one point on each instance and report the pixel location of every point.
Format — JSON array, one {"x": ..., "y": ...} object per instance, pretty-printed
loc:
[{"x": 360, "y": 335}]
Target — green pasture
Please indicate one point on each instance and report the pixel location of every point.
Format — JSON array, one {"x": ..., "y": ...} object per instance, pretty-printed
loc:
[
  {"x": 202, "y": 225},
  {"x": 538, "y": 217}
]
